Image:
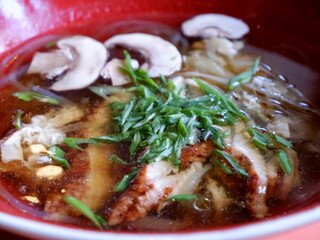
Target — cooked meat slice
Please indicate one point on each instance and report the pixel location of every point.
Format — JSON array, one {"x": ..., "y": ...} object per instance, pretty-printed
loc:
[
  {"x": 218, "y": 194},
  {"x": 154, "y": 183},
  {"x": 253, "y": 188},
  {"x": 196, "y": 153},
  {"x": 90, "y": 178}
]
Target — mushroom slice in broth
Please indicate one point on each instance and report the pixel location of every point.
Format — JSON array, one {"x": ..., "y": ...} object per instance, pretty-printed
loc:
[
  {"x": 162, "y": 57},
  {"x": 76, "y": 64}
]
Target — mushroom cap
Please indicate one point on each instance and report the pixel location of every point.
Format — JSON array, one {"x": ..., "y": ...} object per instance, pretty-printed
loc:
[
  {"x": 51, "y": 64},
  {"x": 90, "y": 57},
  {"x": 162, "y": 57},
  {"x": 214, "y": 25}
]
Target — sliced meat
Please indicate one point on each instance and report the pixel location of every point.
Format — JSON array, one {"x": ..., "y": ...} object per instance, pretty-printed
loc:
[
  {"x": 90, "y": 178},
  {"x": 154, "y": 183},
  {"x": 218, "y": 194},
  {"x": 253, "y": 188},
  {"x": 196, "y": 153}
]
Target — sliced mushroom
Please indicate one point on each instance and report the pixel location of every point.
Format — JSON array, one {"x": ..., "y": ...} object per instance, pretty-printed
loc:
[
  {"x": 51, "y": 64},
  {"x": 112, "y": 71},
  {"x": 76, "y": 64},
  {"x": 214, "y": 25},
  {"x": 161, "y": 56}
]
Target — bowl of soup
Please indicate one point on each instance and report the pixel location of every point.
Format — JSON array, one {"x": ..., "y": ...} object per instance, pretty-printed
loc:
[{"x": 158, "y": 120}]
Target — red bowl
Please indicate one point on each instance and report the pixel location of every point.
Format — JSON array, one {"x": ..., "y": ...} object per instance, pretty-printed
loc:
[{"x": 290, "y": 28}]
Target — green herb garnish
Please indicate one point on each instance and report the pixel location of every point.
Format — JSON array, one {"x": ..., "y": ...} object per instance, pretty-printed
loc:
[
  {"x": 282, "y": 141},
  {"x": 125, "y": 181},
  {"x": 118, "y": 160},
  {"x": 112, "y": 138},
  {"x": 85, "y": 210},
  {"x": 218, "y": 154},
  {"x": 28, "y": 96},
  {"x": 284, "y": 161},
  {"x": 268, "y": 140},
  {"x": 74, "y": 142},
  {"x": 182, "y": 197},
  {"x": 259, "y": 139},
  {"x": 105, "y": 90},
  {"x": 57, "y": 154},
  {"x": 17, "y": 122},
  {"x": 244, "y": 76}
]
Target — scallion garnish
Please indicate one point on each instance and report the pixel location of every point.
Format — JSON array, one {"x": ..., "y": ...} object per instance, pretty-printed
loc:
[
  {"x": 218, "y": 154},
  {"x": 17, "y": 121},
  {"x": 282, "y": 141},
  {"x": 284, "y": 161},
  {"x": 125, "y": 181},
  {"x": 118, "y": 160},
  {"x": 85, "y": 210},
  {"x": 57, "y": 154},
  {"x": 182, "y": 197},
  {"x": 112, "y": 138},
  {"x": 244, "y": 76},
  {"x": 105, "y": 90},
  {"x": 74, "y": 142},
  {"x": 259, "y": 139},
  {"x": 272, "y": 140},
  {"x": 28, "y": 96}
]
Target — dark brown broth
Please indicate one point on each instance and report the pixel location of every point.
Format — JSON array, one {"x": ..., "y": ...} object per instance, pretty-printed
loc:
[{"x": 306, "y": 195}]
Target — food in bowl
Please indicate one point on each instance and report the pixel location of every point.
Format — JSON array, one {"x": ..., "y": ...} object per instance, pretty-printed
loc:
[{"x": 155, "y": 131}]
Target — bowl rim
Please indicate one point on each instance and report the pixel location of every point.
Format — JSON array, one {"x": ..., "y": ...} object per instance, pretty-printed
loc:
[{"x": 39, "y": 230}]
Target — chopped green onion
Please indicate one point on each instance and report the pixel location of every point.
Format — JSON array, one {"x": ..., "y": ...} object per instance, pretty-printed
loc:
[
  {"x": 284, "y": 161},
  {"x": 135, "y": 143},
  {"x": 231, "y": 161},
  {"x": 85, "y": 210},
  {"x": 224, "y": 168},
  {"x": 105, "y": 90},
  {"x": 217, "y": 137},
  {"x": 128, "y": 67},
  {"x": 57, "y": 154},
  {"x": 206, "y": 88},
  {"x": 259, "y": 139},
  {"x": 74, "y": 142},
  {"x": 182, "y": 128},
  {"x": 244, "y": 76},
  {"x": 182, "y": 197},
  {"x": 128, "y": 108},
  {"x": 113, "y": 138},
  {"x": 17, "y": 122},
  {"x": 282, "y": 141},
  {"x": 116, "y": 159},
  {"x": 28, "y": 96},
  {"x": 125, "y": 181}
]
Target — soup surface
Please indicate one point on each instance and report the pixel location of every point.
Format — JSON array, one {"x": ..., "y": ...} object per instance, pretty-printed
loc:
[{"x": 152, "y": 129}]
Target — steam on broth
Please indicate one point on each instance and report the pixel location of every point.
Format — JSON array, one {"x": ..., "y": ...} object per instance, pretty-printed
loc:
[{"x": 154, "y": 130}]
